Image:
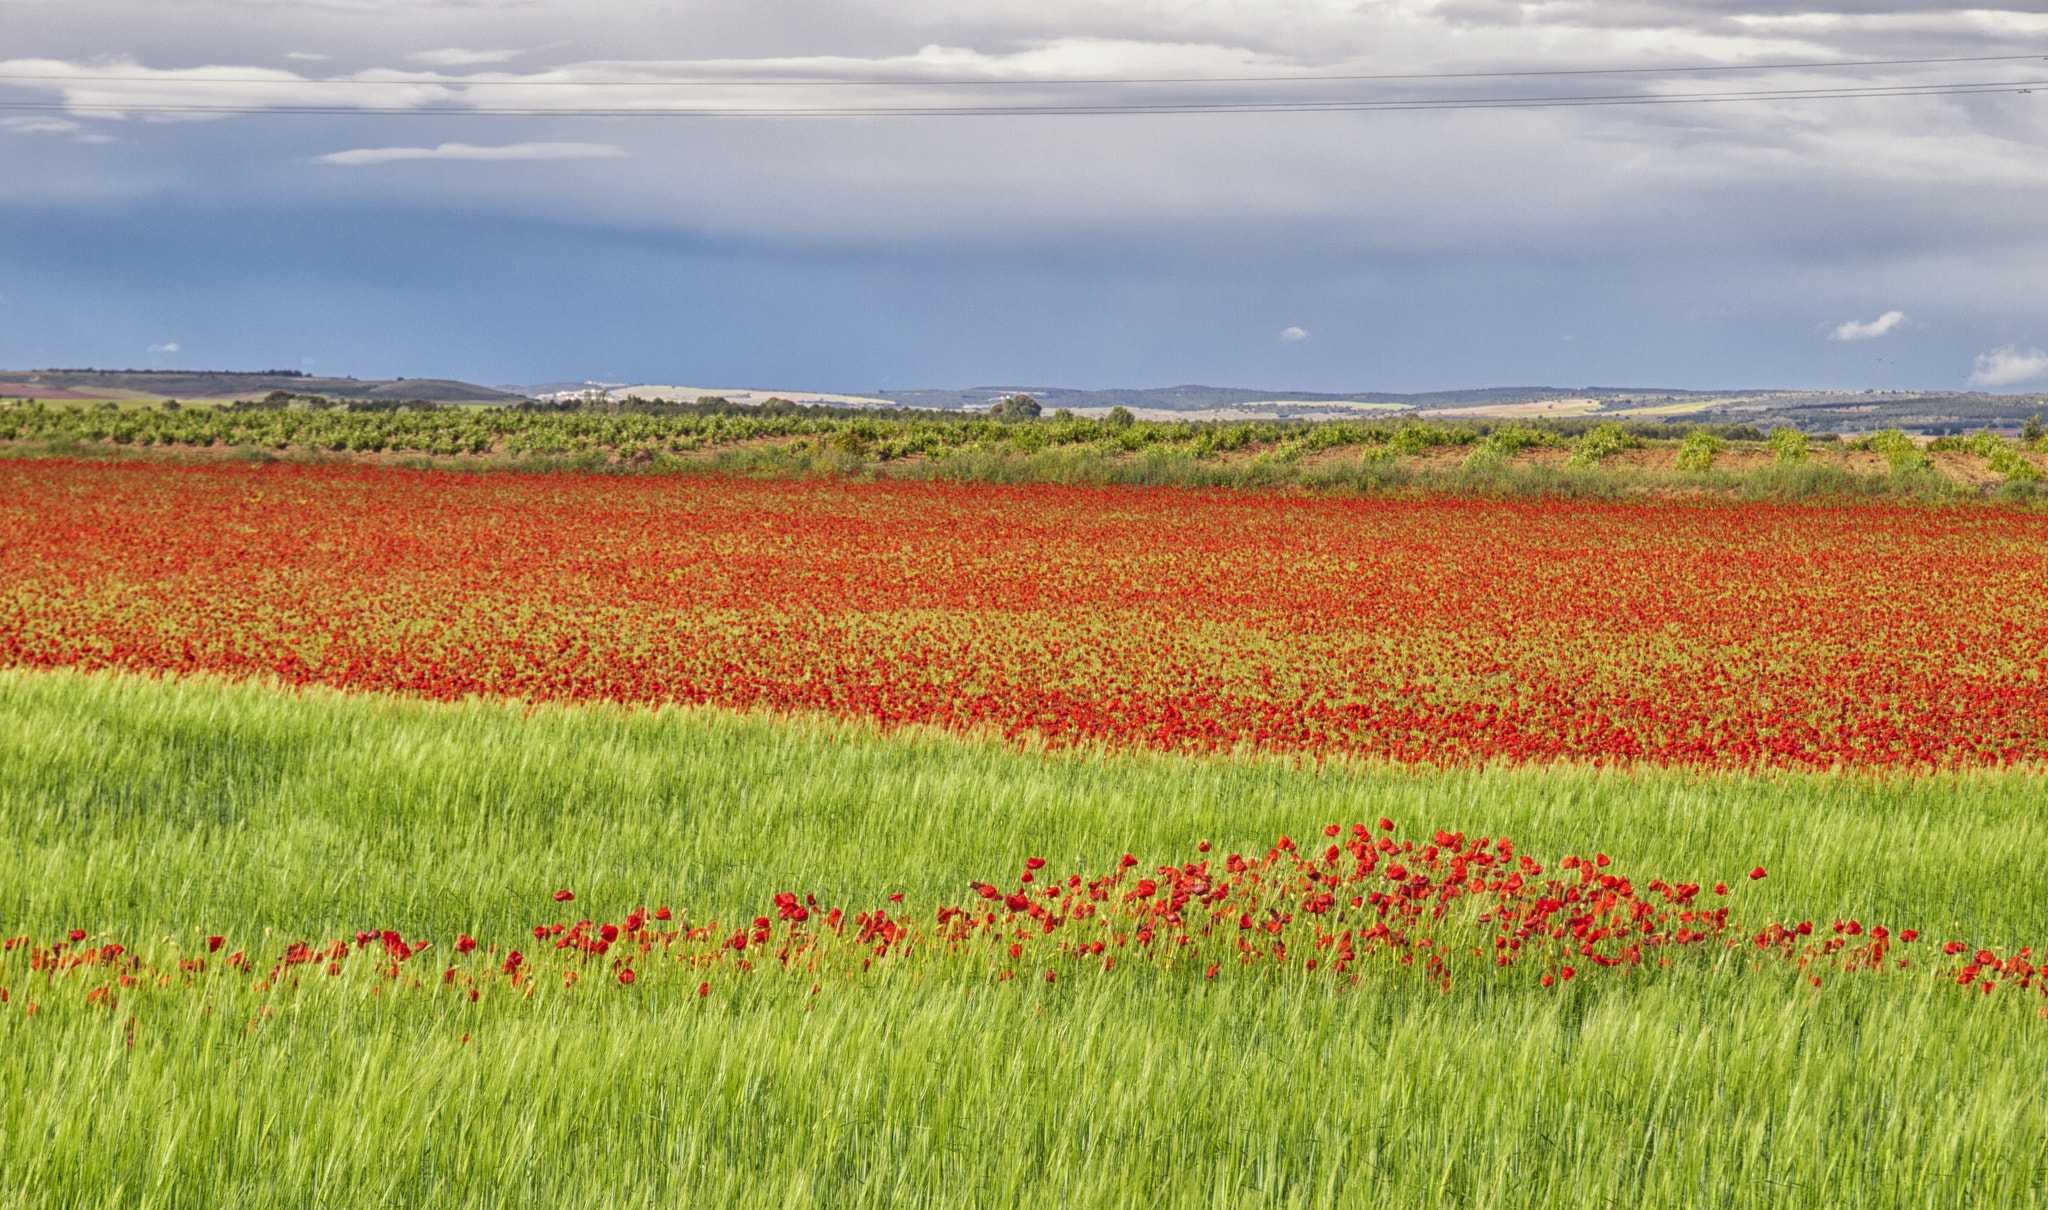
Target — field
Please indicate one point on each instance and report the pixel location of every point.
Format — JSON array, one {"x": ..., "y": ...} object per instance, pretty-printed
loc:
[
  {"x": 1546, "y": 456},
  {"x": 390, "y": 837}
]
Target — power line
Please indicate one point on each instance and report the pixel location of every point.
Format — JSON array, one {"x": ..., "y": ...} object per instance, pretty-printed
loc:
[
  {"x": 1175, "y": 107},
  {"x": 957, "y": 82}
]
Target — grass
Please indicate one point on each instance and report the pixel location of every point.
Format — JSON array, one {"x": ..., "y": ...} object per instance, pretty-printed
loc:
[
  {"x": 155, "y": 812},
  {"x": 1373, "y": 455}
]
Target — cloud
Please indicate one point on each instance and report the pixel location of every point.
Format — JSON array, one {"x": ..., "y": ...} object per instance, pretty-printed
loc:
[
  {"x": 171, "y": 347},
  {"x": 467, "y": 151},
  {"x": 1289, "y": 335},
  {"x": 2003, "y": 367},
  {"x": 455, "y": 56},
  {"x": 38, "y": 125},
  {"x": 309, "y": 57},
  {"x": 1870, "y": 331}
]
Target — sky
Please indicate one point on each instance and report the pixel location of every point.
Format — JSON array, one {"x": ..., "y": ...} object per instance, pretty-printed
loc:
[{"x": 192, "y": 184}]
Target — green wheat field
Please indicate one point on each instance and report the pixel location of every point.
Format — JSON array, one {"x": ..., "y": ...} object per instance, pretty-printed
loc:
[{"x": 161, "y": 812}]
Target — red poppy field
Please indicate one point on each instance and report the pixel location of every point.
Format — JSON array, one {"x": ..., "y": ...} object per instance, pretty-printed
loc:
[
  {"x": 1365, "y": 907},
  {"x": 1648, "y": 853},
  {"x": 1419, "y": 631}
]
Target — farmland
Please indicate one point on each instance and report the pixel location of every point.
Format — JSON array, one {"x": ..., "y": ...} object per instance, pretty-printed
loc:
[
  {"x": 1432, "y": 631},
  {"x": 1587, "y": 457},
  {"x": 155, "y": 814},
  {"x": 374, "y": 835}
]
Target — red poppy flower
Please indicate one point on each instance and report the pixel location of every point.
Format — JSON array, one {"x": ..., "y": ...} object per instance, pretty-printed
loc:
[
  {"x": 1386, "y": 825},
  {"x": 1756, "y": 873},
  {"x": 1212, "y": 972},
  {"x": 213, "y": 944},
  {"x": 1050, "y": 976},
  {"x": 1034, "y": 863},
  {"x": 662, "y": 913},
  {"x": 564, "y": 895},
  {"x": 78, "y": 934},
  {"x": 1126, "y": 862},
  {"x": 1720, "y": 888},
  {"x": 464, "y": 943},
  {"x": 896, "y": 898},
  {"x": 1909, "y": 934},
  {"x": 703, "y": 990},
  {"x": 1331, "y": 830},
  {"x": 1202, "y": 847},
  {"x": 626, "y": 976},
  {"x": 1567, "y": 972}
]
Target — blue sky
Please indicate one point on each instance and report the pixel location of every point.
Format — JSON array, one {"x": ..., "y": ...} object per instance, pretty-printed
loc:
[{"x": 1891, "y": 242}]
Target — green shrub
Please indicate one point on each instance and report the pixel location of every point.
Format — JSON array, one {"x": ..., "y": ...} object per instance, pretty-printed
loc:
[
  {"x": 1899, "y": 450},
  {"x": 1697, "y": 451},
  {"x": 1505, "y": 442},
  {"x": 1015, "y": 408},
  {"x": 1789, "y": 443},
  {"x": 1603, "y": 442},
  {"x": 1119, "y": 417}
]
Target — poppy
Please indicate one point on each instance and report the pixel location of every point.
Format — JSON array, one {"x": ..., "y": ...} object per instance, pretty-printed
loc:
[
  {"x": 78, "y": 934},
  {"x": 1756, "y": 873},
  {"x": 703, "y": 990},
  {"x": 1386, "y": 825},
  {"x": 626, "y": 976},
  {"x": 464, "y": 943},
  {"x": 213, "y": 944},
  {"x": 564, "y": 895},
  {"x": 1034, "y": 863}
]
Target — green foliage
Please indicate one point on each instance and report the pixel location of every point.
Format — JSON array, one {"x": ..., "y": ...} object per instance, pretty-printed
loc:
[
  {"x": 1900, "y": 451},
  {"x": 1013, "y": 409},
  {"x": 1119, "y": 417},
  {"x": 2031, "y": 433},
  {"x": 1603, "y": 442},
  {"x": 1789, "y": 443},
  {"x": 159, "y": 812},
  {"x": 1505, "y": 441},
  {"x": 1698, "y": 450}
]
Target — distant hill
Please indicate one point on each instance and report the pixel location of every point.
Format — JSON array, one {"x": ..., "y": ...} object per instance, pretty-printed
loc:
[
  {"x": 231, "y": 384},
  {"x": 1193, "y": 398}
]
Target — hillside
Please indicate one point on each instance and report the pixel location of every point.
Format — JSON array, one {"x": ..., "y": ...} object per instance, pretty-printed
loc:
[{"x": 228, "y": 384}]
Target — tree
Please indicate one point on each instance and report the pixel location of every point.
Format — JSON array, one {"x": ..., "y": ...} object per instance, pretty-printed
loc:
[
  {"x": 1015, "y": 408},
  {"x": 2032, "y": 432},
  {"x": 1119, "y": 417}
]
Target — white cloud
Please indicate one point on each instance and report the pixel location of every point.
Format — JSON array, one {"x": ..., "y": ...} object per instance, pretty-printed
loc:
[
  {"x": 1290, "y": 335},
  {"x": 455, "y": 56},
  {"x": 467, "y": 151},
  {"x": 311, "y": 58},
  {"x": 2003, "y": 367},
  {"x": 1870, "y": 331},
  {"x": 171, "y": 347},
  {"x": 38, "y": 125}
]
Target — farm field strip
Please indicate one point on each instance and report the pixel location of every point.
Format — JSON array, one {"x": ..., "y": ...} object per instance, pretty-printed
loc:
[
  {"x": 1431, "y": 631},
  {"x": 170, "y": 810}
]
